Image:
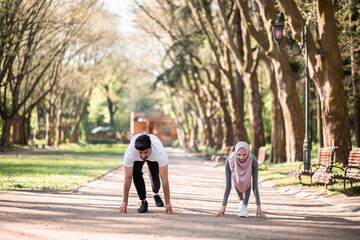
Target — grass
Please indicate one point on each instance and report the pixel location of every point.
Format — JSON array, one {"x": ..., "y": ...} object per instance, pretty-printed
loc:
[
  {"x": 39, "y": 172},
  {"x": 277, "y": 173},
  {"x": 91, "y": 149}
]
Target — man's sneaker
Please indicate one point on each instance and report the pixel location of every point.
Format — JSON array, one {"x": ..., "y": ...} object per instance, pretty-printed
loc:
[
  {"x": 244, "y": 212},
  {"x": 158, "y": 201},
  {"x": 144, "y": 206}
]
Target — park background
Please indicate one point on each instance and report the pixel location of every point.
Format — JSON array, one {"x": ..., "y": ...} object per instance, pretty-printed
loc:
[{"x": 68, "y": 67}]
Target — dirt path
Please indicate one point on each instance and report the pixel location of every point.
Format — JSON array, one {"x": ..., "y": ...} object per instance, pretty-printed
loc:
[{"x": 197, "y": 189}]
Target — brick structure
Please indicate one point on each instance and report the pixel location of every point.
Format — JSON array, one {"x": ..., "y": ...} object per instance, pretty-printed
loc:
[{"x": 158, "y": 124}]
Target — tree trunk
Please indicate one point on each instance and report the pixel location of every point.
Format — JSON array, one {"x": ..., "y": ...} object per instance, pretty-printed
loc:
[
  {"x": 240, "y": 87},
  {"x": 356, "y": 93},
  {"x": 64, "y": 133},
  {"x": 217, "y": 132},
  {"x": 326, "y": 69},
  {"x": 50, "y": 125},
  {"x": 320, "y": 134},
  {"x": 278, "y": 143},
  {"x": 20, "y": 130},
  {"x": 228, "y": 134},
  {"x": 74, "y": 133},
  {"x": 288, "y": 96},
  {"x": 200, "y": 105},
  {"x": 328, "y": 72},
  {"x": 58, "y": 131},
  {"x": 5, "y": 140},
  {"x": 179, "y": 122},
  {"x": 239, "y": 82},
  {"x": 228, "y": 139},
  {"x": 237, "y": 115},
  {"x": 246, "y": 65},
  {"x": 255, "y": 115},
  {"x": 353, "y": 18},
  {"x": 193, "y": 141},
  {"x": 112, "y": 109},
  {"x": 292, "y": 112}
]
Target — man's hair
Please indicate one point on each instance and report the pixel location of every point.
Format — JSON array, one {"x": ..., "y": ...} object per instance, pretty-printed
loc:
[{"x": 142, "y": 142}]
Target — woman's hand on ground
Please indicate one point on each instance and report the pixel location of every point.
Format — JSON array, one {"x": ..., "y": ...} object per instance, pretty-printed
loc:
[
  {"x": 259, "y": 212},
  {"x": 221, "y": 211}
]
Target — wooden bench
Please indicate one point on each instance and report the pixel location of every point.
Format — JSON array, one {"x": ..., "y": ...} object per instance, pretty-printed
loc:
[
  {"x": 317, "y": 172},
  {"x": 323, "y": 169},
  {"x": 222, "y": 157},
  {"x": 262, "y": 155},
  {"x": 352, "y": 171}
]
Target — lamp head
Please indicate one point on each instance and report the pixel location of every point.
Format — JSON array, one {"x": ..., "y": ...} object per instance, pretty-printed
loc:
[{"x": 277, "y": 27}]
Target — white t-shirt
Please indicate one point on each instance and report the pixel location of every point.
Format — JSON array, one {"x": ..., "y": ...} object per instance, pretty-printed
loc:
[{"x": 157, "y": 154}]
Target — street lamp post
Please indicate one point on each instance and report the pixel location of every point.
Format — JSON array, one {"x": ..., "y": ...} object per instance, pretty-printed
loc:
[{"x": 278, "y": 28}]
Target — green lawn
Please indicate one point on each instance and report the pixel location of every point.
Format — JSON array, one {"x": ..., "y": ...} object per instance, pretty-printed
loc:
[
  {"x": 277, "y": 173},
  {"x": 58, "y": 172},
  {"x": 91, "y": 149}
]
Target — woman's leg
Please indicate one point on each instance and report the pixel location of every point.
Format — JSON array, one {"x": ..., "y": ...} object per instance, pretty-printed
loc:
[
  {"x": 247, "y": 196},
  {"x": 240, "y": 195},
  {"x": 139, "y": 179}
]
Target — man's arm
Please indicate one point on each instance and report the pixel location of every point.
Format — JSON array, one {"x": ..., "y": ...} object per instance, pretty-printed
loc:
[
  {"x": 163, "y": 172},
  {"x": 127, "y": 185}
]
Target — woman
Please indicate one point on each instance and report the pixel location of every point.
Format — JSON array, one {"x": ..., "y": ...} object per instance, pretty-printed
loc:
[{"x": 239, "y": 167}]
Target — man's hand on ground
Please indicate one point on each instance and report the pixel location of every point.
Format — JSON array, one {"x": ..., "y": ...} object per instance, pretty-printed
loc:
[
  {"x": 168, "y": 208},
  {"x": 123, "y": 207}
]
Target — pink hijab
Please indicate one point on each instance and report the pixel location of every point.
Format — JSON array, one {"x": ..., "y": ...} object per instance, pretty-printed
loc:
[{"x": 241, "y": 172}]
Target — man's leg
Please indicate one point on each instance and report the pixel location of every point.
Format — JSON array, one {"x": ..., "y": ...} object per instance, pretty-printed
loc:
[
  {"x": 139, "y": 179},
  {"x": 155, "y": 181},
  {"x": 140, "y": 185},
  {"x": 154, "y": 176}
]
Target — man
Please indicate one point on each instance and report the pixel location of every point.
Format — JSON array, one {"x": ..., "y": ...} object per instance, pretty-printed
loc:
[{"x": 146, "y": 148}]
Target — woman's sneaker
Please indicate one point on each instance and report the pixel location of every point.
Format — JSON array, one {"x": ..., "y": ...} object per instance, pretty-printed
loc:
[
  {"x": 144, "y": 206},
  {"x": 240, "y": 205},
  {"x": 158, "y": 201},
  {"x": 244, "y": 211}
]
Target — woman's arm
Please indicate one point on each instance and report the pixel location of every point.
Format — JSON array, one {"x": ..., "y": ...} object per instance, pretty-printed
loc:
[
  {"x": 255, "y": 174},
  {"x": 228, "y": 182},
  {"x": 227, "y": 189}
]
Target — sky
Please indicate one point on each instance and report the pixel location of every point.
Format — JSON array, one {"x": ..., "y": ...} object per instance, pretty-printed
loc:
[{"x": 123, "y": 9}]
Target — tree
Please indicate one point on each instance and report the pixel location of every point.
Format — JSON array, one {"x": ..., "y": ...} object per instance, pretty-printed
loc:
[
  {"x": 117, "y": 71},
  {"x": 348, "y": 17},
  {"x": 285, "y": 80},
  {"x": 246, "y": 62},
  {"x": 33, "y": 40},
  {"x": 221, "y": 54},
  {"x": 326, "y": 66}
]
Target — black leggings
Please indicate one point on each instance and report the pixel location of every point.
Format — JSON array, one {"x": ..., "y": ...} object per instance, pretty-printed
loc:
[
  {"x": 139, "y": 182},
  {"x": 244, "y": 196}
]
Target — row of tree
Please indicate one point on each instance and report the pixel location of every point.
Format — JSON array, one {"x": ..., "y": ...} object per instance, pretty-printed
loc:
[
  {"x": 53, "y": 54},
  {"x": 219, "y": 53}
]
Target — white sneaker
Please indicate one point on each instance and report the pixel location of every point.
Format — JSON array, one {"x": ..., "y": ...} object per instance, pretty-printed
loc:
[
  {"x": 244, "y": 212},
  {"x": 240, "y": 205}
]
